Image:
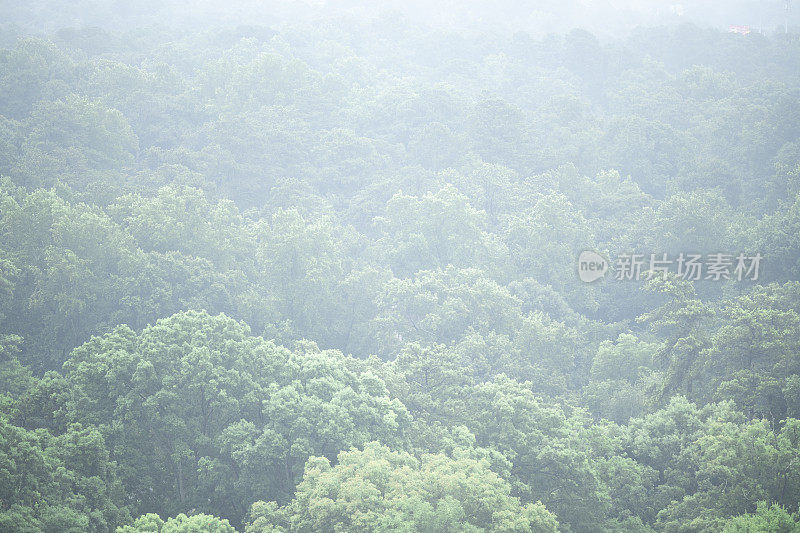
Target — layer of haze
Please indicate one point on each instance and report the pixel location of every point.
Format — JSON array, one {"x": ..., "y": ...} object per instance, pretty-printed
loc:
[{"x": 603, "y": 17}]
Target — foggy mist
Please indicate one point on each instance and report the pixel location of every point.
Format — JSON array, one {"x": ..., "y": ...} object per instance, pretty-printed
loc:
[{"x": 350, "y": 266}]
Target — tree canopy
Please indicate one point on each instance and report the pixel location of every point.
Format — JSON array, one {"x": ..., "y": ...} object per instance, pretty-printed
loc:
[{"x": 323, "y": 275}]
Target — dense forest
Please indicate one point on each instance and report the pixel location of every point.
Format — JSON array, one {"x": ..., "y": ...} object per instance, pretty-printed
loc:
[{"x": 323, "y": 277}]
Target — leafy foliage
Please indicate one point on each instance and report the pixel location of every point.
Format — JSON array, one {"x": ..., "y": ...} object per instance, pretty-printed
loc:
[{"x": 321, "y": 277}]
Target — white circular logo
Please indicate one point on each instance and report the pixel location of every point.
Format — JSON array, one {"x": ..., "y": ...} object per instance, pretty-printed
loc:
[{"x": 591, "y": 266}]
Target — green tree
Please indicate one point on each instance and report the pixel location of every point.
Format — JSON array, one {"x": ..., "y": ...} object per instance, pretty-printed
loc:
[
  {"x": 203, "y": 415},
  {"x": 772, "y": 518},
  {"x": 678, "y": 320},
  {"x": 58, "y": 483},
  {"x": 197, "y": 523},
  {"x": 378, "y": 489}
]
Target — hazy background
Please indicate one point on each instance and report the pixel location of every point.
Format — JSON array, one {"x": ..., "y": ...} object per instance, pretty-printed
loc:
[{"x": 603, "y": 17}]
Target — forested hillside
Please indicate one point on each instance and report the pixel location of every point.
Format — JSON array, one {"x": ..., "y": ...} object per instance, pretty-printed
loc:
[{"x": 324, "y": 277}]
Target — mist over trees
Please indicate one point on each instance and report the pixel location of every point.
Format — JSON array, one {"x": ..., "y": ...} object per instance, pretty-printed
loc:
[
  {"x": 605, "y": 18},
  {"x": 301, "y": 267}
]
